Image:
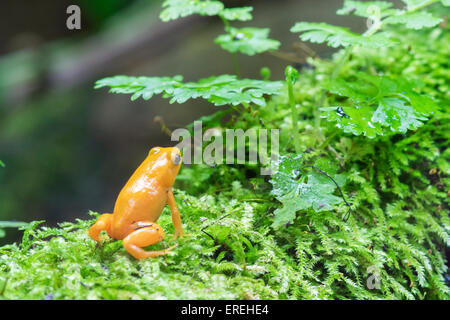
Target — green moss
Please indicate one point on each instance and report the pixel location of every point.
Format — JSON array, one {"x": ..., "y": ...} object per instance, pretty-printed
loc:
[{"x": 65, "y": 263}]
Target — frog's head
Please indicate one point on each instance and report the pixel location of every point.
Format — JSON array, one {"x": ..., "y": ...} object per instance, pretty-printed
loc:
[{"x": 167, "y": 163}]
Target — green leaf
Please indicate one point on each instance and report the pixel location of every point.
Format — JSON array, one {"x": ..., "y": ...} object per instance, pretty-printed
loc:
[
  {"x": 2, "y": 164},
  {"x": 446, "y": 3},
  {"x": 377, "y": 102},
  {"x": 284, "y": 180},
  {"x": 241, "y": 13},
  {"x": 366, "y": 9},
  {"x": 411, "y": 4},
  {"x": 175, "y": 9},
  {"x": 414, "y": 20},
  {"x": 247, "y": 40},
  {"x": 355, "y": 120},
  {"x": 339, "y": 36},
  {"x": 298, "y": 191},
  {"x": 291, "y": 74},
  {"x": 144, "y": 87},
  {"x": 221, "y": 90},
  {"x": 358, "y": 92},
  {"x": 227, "y": 89},
  {"x": 397, "y": 114},
  {"x": 10, "y": 224}
]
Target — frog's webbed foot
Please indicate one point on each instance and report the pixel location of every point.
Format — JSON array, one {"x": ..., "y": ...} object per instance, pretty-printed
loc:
[
  {"x": 102, "y": 224},
  {"x": 180, "y": 234},
  {"x": 146, "y": 235}
]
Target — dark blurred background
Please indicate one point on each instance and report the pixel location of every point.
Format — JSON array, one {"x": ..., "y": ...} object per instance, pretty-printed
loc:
[{"x": 69, "y": 148}]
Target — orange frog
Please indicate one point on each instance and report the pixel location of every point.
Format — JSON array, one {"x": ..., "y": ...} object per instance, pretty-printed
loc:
[{"x": 140, "y": 203}]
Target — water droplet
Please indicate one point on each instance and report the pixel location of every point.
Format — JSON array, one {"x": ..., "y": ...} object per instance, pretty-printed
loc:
[
  {"x": 341, "y": 112},
  {"x": 239, "y": 36}
]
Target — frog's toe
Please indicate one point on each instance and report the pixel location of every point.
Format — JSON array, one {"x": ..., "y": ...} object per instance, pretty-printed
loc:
[
  {"x": 169, "y": 249},
  {"x": 180, "y": 235},
  {"x": 102, "y": 224}
]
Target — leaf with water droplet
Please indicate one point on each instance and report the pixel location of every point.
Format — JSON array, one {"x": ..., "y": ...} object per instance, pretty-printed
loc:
[
  {"x": 396, "y": 114},
  {"x": 378, "y": 102},
  {"x": 342, "y": 113},
  {"x": 297, "y": 191}
]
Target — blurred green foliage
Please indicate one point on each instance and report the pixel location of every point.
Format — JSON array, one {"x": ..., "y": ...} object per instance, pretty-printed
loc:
[
  {"x": 49, "y": 156},
  {"x": 99, "y": 11}
]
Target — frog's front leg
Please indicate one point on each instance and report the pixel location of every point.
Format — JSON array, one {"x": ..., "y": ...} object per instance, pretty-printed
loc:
[
  {"x": 176, "y": 218},
  {"x": 146, "y": 234},
  {"x": 102, "y": 224}
]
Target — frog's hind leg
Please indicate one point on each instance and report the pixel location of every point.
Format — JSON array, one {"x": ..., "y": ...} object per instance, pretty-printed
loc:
[
  {"x": 145, "y": 234},
  {"x": 102, "y": 224}
]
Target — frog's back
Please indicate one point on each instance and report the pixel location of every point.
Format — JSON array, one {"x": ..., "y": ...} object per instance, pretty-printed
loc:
[{"x": 142, "y": 198}]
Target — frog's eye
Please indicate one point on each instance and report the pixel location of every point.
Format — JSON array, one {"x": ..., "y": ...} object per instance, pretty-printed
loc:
[{"x": 177, "y": 159}]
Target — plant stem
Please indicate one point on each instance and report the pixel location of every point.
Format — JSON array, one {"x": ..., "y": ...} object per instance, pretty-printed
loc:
[
  {"x": 226, "y": 23},
  {"x": 227, "y": 26},
  {"x": 237, "y": 70},
  {"x": 294, "y": 113},
  {"x": 329, "y": 138}
]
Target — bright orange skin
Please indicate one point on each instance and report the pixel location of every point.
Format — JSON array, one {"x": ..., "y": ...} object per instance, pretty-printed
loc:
[{"x": 141, "y": 202}]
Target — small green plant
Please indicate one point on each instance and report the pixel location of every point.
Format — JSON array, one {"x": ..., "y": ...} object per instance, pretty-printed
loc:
[
  {"x": 291, "y": 77},
  {"x": 249, "y": 40},
  {"x": 364, "y": 191},
  {"x": 374, "y": 101},
  {"x": 220, "y": 90},
  {"x": 10, "y": 224}
]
